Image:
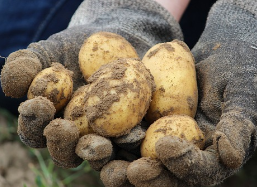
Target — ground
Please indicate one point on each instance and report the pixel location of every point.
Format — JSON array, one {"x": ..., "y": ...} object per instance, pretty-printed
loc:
[{"x": 15, "y": 166}]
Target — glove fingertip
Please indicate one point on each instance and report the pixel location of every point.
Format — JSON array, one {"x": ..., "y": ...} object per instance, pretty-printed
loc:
[
  {"x": 172, "y": 147},
  {"x": 229, "y": 156},
  {"x": 93, "y": 147},
  {"x": 17, "y": 74},
  {"x": 113, "y": 174},
  {"x": 34, "y": 115},
  {"x": 143, "y": 169},
  {"x": 62, "y": 137}
]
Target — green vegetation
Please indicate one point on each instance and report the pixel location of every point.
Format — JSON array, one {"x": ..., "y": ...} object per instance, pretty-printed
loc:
[
  {"x": 8, "y": 126},
  {"x": 46, "y": 173}
]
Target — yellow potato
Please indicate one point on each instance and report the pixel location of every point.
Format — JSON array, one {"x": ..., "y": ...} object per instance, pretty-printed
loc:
[
  {"x": 172, "y": 66},
  {"x": 118, "y": 97},
  {"x": 54, "y": 83},
  {"x": 181, "y": 126},
  {"x": 101, "y": 48},
  {"x": 75, "y": 111}
]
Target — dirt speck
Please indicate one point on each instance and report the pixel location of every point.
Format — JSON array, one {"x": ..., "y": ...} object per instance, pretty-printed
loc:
[
  {"x": 95, "y": 47},
  {"x": 191, "y": 103}
]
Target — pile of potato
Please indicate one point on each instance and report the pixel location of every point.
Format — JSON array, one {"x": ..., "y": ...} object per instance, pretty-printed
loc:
[{"x": 120, "y": 92}]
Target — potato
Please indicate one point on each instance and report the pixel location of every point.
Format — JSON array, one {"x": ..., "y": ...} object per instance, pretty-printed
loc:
[
  {"x": 101, "y": 48},
  {"x": 182, "y": 126},
  {"x": 75, "y": 111},
  {"x": 54, "y": 83},
  {"x": 118, "y": 97},
  {"x": 172, "y": 66}
]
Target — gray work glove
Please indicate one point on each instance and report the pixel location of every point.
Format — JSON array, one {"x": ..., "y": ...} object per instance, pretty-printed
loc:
[
  {"x": 143, "y": 23},
  {"x": 226, "y": 56}
]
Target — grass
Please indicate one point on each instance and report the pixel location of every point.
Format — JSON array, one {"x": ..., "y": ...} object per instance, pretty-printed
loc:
[
  {"x": 8, "y": 126},
  {"x": 47, "y": 174}
]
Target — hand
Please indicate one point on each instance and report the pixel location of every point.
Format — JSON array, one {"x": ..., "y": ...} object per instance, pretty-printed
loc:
[
  {"x": 23, "y": 65},
  {"x": 226, "y": 68},
  {"x": 140, "y": 30}
]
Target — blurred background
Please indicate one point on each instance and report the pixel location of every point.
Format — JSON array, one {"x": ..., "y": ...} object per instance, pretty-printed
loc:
[{"x": 25, "y": 167}]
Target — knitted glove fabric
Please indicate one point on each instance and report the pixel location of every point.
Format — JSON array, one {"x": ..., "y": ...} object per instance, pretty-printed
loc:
[
  {"x": 226, "y": 57},
  {"x": 227, "y": 76}
]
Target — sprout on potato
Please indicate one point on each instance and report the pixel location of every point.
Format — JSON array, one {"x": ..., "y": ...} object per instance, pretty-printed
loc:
[{"x": 54, "y": 83}]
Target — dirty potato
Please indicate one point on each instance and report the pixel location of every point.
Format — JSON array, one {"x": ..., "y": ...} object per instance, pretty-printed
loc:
[
  {"x": 101, "y": 48},
  {"x": 118, "y": 97},
  {"x": 54, "y": 83},
  {"x": 181, "y": 126},
  {"x": 75, "y": 111},
  {"x": 172, "y": 66}
]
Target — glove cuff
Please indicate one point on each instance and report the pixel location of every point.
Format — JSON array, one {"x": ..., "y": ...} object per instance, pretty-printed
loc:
[
  {"x": 230, "y": 20},
  {"x": 144, "y": 20}
]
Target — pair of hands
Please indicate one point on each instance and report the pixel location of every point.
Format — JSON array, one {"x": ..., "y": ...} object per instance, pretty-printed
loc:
[{"x": 225, "y": 62}]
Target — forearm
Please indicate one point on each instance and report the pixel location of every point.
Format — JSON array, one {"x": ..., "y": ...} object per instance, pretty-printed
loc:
[{"x": 175, "y": 7}]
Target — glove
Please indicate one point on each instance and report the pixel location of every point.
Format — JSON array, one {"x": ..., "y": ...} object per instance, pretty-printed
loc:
[
  {"x": 140, "y": 22},
  {"x": 143, "y": 23},
  {"x": 225, "y": 55}
]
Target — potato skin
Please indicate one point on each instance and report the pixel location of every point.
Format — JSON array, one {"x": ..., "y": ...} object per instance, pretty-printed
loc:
[
  {"x": 172, "y": 66},
  {"x": 75, "y": 111},
  {"x": 182, "y": 126},
  {"x": 118, "y": 97},
  {"x": 54, "y": 83},
  {"x": 101, "y": 48}
]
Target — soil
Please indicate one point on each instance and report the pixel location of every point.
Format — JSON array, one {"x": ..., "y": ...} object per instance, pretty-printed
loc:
[{"x": 15, "y": 166}]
